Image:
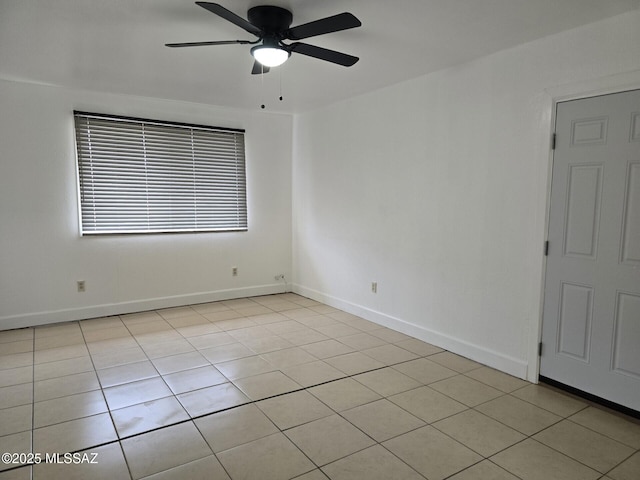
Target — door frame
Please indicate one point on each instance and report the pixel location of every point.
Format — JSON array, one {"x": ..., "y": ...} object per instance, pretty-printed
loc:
[{"x": 550, "y": 98}]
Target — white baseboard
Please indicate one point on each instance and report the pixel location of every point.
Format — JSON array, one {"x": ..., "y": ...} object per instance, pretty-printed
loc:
[
  {"x": 105, "y": 310},
  {"x": 491, "y": 358},
  {"x": 478, "y": 353}
]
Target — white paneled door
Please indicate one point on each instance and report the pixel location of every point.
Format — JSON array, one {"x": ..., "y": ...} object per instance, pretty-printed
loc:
[{"x": 591, "y": 323}]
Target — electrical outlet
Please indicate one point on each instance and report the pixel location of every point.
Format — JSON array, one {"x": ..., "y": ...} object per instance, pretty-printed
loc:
[
  {"x": 280, "y": 276},
  {"x": 81, "y": 286},
  {"x": 374, "y": 287},
  {"x": 234, "y": 271}
]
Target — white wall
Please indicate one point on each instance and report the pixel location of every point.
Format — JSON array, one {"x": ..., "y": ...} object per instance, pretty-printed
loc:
[
  {"x": 437, "y": 189},
  {"x": 42, "y": 255}
]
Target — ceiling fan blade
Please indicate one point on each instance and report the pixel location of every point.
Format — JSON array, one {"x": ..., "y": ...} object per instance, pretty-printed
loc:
[
  {"x": 204, "y": 44},
  {"x": 342, "y": 21},
  {"x": 231, "y": 17},
  {"x": 324, "y": 54},
  {"x": 258, "y": 68}
]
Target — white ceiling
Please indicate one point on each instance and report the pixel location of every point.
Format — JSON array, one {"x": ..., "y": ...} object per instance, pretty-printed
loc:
[{"x": 118, "y": 45}]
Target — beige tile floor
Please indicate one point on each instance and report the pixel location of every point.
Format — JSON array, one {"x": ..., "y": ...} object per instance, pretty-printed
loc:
[{"x": 280, "y": 387}]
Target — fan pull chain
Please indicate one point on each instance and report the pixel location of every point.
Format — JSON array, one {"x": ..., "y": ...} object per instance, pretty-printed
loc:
[
  {"x": 262, "y": 94},
  {"x": 262, "y": 86}
]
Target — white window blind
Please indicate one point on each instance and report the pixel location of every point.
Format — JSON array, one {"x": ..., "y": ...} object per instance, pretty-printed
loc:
[{"x": 146, "y": 176}]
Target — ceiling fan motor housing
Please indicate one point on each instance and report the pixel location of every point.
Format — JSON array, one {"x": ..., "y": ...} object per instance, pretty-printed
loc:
[{"x": 270, "y": 19}]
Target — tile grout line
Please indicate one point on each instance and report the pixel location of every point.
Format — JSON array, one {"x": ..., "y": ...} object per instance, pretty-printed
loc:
[
  {"x": 117, "y": 440},
  {"x": 33, "y": 397},
  {"x": 635, "y": 449}
]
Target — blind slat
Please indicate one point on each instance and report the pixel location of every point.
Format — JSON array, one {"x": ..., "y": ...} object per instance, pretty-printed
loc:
[{"x": 145, "y": 176}]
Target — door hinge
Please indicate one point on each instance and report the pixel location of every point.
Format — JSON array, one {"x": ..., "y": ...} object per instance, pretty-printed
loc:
[
  {"x": 553, "y": 141},
  {"x": 540, "y": 349},
  {"x": 546, "y": 248}
]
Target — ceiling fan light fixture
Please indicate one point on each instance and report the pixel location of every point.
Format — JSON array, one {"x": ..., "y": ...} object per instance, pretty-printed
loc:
[{"x": 270, "y": 56}]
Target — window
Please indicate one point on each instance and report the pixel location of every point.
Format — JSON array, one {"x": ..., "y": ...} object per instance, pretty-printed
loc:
[{"x": 147, "y": 176}]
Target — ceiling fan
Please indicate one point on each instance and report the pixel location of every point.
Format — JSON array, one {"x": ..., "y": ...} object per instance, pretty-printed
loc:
[{"x": 271, "y": 25}]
